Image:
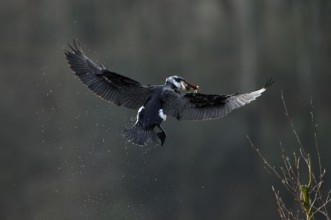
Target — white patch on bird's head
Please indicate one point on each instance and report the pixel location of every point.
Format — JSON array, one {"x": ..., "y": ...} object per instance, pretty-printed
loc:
[{"x": 176, "y": 82}]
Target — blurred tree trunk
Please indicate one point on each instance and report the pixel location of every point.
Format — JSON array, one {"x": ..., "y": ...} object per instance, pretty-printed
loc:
[
  {"x": 246, "y": 24},
  {"x": 302, "y": 18}
]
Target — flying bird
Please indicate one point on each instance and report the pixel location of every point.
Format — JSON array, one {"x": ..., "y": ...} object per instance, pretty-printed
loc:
[{"x": 176, "y": 98}]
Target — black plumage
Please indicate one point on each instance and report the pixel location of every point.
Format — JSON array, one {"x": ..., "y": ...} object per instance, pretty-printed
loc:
[
  {"x": 154, "y": 102},
  {"x": 109, "y": 85}
]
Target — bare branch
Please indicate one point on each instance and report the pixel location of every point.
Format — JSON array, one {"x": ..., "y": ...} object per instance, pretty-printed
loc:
[{"x": 299, "y": 178}]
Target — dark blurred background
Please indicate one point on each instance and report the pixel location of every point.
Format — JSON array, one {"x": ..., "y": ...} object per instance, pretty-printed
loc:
[{"x": 62, "y": 155}]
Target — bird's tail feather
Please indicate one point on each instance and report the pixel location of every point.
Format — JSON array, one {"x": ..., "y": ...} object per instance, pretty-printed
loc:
[{"x": 140, "y": 136}]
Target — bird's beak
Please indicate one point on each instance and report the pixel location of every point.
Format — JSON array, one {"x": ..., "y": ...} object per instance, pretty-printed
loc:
[{"x": 189, "y": 86}]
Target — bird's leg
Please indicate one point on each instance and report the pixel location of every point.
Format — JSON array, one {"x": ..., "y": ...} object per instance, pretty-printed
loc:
[{"x": 162, "y": 134}]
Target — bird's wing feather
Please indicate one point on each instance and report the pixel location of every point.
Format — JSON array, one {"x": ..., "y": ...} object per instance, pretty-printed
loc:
[
  {"x": 107, "y": 84},
  {"x": 198, "y": 106}
]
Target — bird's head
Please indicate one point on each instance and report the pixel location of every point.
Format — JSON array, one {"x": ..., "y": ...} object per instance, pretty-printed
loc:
[{"x": 178, "y": 83}]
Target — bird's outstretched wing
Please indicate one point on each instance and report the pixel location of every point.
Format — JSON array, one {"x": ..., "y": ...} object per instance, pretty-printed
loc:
[
  {"x": 197, "y": 106},
  {"x": 109, "y": 85}
]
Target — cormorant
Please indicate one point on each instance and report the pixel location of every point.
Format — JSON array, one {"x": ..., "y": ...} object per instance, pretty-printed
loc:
[{"x": 154, "y": 102}]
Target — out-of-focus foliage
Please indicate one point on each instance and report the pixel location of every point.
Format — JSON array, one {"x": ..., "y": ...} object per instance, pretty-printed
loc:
[{"x": 62, "y": 155}]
